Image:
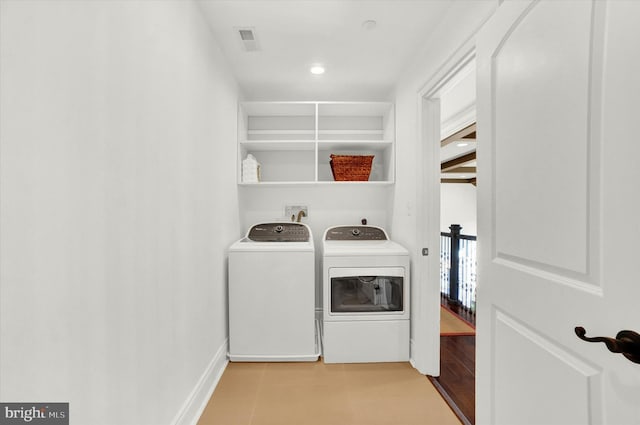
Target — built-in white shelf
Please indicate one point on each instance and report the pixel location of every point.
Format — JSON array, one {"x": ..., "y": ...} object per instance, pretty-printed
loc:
[
  {"x": 293, "y": 141},
  {"x": 278, "y": 145},
  {"x": 276, "y": 132},
  {"x": 314, "y": 183},
  {"x": 372, "y": 145},
  {"x": 353, "y": 132}
]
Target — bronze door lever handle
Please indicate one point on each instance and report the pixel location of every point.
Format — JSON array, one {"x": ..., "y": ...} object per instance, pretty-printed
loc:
[{"x": 626, "y": 342}]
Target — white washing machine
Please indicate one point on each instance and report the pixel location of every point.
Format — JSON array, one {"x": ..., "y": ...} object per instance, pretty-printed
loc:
[
  {"x": 272, "y": 295},
  {"x": 365, "y": 296}
]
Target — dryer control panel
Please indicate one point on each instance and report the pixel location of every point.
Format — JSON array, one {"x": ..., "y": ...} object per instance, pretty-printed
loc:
[
  {"x": 356, "y": 233},
  {"x": 279, "y": 232}
]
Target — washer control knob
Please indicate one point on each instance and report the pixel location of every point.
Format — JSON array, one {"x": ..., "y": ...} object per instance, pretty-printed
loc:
[
  {"x": 355, "y": 232},
  {"x": 279, "y": 228}
]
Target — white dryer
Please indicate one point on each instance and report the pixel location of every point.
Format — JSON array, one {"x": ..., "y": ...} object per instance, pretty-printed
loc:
[
  {"x": 365, "y": 296},
  {"x": 272, "y": 295}
]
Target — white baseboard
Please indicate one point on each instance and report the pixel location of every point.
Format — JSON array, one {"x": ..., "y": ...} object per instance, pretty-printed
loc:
[
  {"x": 195, "y": 404},
  {"x": 412, "y": 351}
]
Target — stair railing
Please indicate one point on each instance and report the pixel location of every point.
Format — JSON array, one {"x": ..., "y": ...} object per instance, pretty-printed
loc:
[{"x": 458, "y": 267}]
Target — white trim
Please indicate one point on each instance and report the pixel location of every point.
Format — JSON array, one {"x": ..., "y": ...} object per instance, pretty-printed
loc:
[
  {"x": 194, "y": 405},
  {"x": 425, "y": 353},
  {"x": 460, "y": 120},
  {"x": 427, "y": 317}
]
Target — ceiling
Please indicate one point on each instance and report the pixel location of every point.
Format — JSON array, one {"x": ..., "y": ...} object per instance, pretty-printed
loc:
[
  {"x": 458, "y": 156},
  {"x": 458, "y": 128},
  {"x": 361, "y": 63}
]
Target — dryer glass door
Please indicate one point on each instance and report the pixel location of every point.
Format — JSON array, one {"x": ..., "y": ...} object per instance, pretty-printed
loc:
[{"x": 367, "y": 291}]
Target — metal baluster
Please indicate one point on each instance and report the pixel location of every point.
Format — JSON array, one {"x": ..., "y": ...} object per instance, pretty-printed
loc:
[
  {"x": 446, "y": 266},
  {"x": 454, "y": 270},
  {"x": 467, "y": 280},
  {"x": 474, "y": 276},
  {"x": 465, "y": 286},
  {"x": 461, "y": 259}
]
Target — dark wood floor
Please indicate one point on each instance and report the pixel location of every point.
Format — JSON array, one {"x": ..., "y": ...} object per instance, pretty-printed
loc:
[
  {"x": 457, "y": 377},
  {"x": 458, "y": 374}
]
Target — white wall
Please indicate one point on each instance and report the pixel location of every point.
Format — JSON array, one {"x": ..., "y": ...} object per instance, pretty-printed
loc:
[
  {"x": 458, "y": 206},
  {"x": 461, "y": 21},
  {"x": 118, "y": 201}
]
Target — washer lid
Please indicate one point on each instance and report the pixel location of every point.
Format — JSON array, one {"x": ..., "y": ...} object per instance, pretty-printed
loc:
[{"x": 279, "y": 232}]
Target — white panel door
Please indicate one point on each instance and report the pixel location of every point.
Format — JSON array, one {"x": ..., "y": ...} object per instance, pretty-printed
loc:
[{"x": 558, "y": 211}]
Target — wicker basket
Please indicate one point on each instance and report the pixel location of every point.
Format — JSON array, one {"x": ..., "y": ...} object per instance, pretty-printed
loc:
[{"x": 351, "y": 167}]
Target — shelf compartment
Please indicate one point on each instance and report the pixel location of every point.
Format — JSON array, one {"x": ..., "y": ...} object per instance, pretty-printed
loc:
[
  {"x": 352, "y": 128},
  {"x": 278, "y": 121},
  {"x": 381, "y": 169},
  {"x": 354, "y": 120},
  {"x": 285, "y": 166},
  {"x": 281, "y": 127}
]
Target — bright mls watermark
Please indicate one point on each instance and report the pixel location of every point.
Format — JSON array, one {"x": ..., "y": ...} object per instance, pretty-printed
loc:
[{"x": 34, "y": 413}]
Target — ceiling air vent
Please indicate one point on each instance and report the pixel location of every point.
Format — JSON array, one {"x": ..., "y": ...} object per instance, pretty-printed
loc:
[{"x": 248, "y": 39}]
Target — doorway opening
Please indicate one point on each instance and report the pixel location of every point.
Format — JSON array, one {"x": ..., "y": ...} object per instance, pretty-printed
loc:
[
  {"x": 458, "y": 212},
  {"x": 449, "y": 114},
  {"x": 458, "y": 275}
]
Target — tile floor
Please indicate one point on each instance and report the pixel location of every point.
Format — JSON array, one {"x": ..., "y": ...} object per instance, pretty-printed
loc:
[{"x": 325, "y": 394}]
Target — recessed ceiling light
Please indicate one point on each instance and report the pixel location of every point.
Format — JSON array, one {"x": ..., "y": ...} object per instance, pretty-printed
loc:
[
  {"x": 462, "y": 144},
  {"x": 369, "y": 24},
  {"x": 317, "y": 69}
]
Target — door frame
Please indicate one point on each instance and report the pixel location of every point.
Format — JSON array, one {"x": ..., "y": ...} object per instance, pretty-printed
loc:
[{"x": 427, "y": 291}]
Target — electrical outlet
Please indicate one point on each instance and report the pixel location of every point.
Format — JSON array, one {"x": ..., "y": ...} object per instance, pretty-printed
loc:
[{"x": 293, "y": 210}]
